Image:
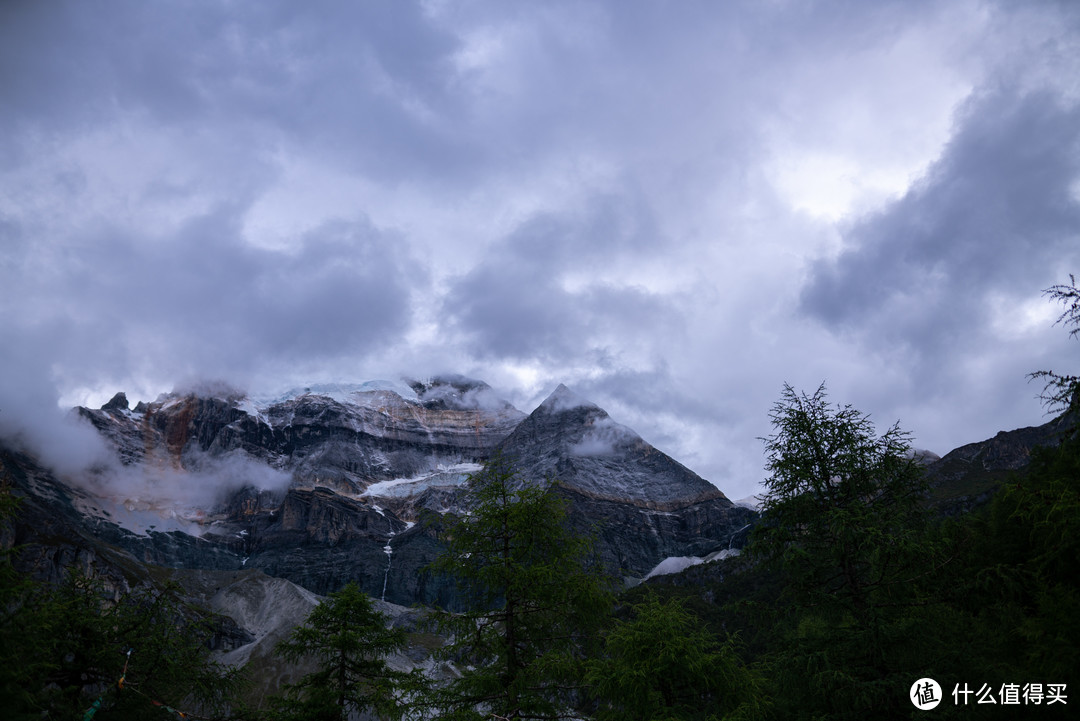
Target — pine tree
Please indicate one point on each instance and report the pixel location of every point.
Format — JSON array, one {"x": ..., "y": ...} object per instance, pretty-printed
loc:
[
  {"x": 535, "y": 602},
  {"x": 844, "y": 519},
  {"x": 1061, "y": 392},
  {"x": 350, "y": 640},
  {"x": 65, "y": 648},
  {"x": 844, "y": 508},
  {"x": 21, "y": 661},
  {"x": 83, "y": 653},
  {"x": 662, "y": 665}
]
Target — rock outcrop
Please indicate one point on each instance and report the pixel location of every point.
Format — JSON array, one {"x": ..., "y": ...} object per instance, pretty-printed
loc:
[
  {"x": 968, "y": 476},
  {"x": 641, "y": 504}
]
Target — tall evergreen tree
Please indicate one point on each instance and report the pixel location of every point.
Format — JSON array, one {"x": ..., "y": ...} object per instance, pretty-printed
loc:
[
  {"x": 1062, "y": 390},
  {"x": 844, "y": 518},
  {"x": 64, "y": 649},
  {"x": 662, "y": 665},
  {"x": 1019, "y": 594},
  {"x": 844, "y": 507},
  {"x": 126, "y": 658},
  {"x": 350, "y": 640},
  {"x": 534, "y": 602}
]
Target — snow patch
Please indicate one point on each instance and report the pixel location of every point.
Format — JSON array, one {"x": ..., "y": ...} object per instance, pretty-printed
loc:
[
  {"x": 674, "y": 564},
  {"x": 144, "y": 498},
  {"x": 346, "y": 393},
  {"x": 678, "y": 564},
  {"x": 143, "y": 517},
  {"x": 252, "y": 409},
  {"x": 443, "y": 476},
  {"x": 751, "y": 502}
]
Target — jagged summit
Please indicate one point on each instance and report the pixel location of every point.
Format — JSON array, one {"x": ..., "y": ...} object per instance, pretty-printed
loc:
[
  {"x": 457, "y": 392},
  {"x": 563, "y": 399},
  {"x": 332, "y": 482},
  {"x": 119, "y": 402},
  {"x": 577, "y": 442}
]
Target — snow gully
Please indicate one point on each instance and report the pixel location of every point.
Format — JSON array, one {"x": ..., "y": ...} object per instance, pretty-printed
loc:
[{"x": 389, "y": 559}]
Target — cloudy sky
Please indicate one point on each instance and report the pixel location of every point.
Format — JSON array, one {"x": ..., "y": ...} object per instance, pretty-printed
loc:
[{"x": 673, "y": 208}]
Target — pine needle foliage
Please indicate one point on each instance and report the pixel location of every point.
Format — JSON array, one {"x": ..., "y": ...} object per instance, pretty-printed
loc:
[
  {"x": 349, "y": 639},
  {"x": 535, "y": 599},
  {"x": 1062, "y": 391},
  {"x": 79, "y": 649},
  {"x": 661, "y": 664},
  {"x": 844, "y": 520},
  {"x": 844, "y": 509}
]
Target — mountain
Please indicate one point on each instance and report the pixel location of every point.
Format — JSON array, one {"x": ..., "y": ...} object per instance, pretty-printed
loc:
[
  {"x": 642, "y": 505},
  {"x": 968, "y": 476},
  {"x": 330, "y": 484},
  {"x": 340, "y": 437}
]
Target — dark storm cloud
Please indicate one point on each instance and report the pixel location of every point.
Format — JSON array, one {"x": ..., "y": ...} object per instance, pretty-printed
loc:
[
  {"x": 539, "y": 293},
  {"x": 204, "y": 301},
  {"x": 611, "y": 194},
  {"x": 369, "y": 89},
  {"x": 998, "y": 216}
]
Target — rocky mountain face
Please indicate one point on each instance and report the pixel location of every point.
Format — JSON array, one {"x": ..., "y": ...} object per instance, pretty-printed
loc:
[
  {"x": 967, "y": 476},
  {"x": 338, "y": 437},
  {"x": 642, "y": 505},
  {"x": 348, "y": 483}
]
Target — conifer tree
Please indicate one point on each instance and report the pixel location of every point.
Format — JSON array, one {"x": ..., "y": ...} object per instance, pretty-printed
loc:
[
  {"x": 844, "y": 519},
  {"x": 1062, "y": 391},
  {"x": 76, "y": 652},
  {"x": 662, "y": 665},
  {"x": 535, "y": 602},
  {"x": 65, "y": 648},
  {"x": 844, "y": 507},
  {"x": 350, "y": 640}
]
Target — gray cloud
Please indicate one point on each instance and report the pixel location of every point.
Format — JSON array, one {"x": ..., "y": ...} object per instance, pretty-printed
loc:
[
  {"x": 205, "y": 296},
  {"x": 995, "y": 218},
  {"x": 672, "y": 210},
  {"x": 517, "y": 302},
  {"x": 355, "y": 87},
  {"x": 113, "y": 309}
]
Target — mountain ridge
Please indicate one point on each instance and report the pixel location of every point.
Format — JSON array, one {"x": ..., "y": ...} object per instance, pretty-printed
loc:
[
  {"x": 329, "y": 484},
  {"x": 322, "y": 489}
]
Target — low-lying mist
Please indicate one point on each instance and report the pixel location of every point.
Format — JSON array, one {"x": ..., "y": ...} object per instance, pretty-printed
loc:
[
  {"x": 72, "y": 449},
  {"x": 205, "y": 481}
]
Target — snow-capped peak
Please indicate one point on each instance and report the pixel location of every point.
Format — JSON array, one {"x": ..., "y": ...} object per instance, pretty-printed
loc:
[{"x": 341, "y": 392}]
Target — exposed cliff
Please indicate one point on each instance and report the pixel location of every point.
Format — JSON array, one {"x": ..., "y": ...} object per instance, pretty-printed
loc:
[
  {"x": 642, "y": 505},
  {"x": 969, "y": 475},
  {"x": 346, "y": 438}
]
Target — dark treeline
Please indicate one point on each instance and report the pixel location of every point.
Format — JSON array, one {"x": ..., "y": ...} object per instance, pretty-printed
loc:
[{"x": 853, "y": 588}]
